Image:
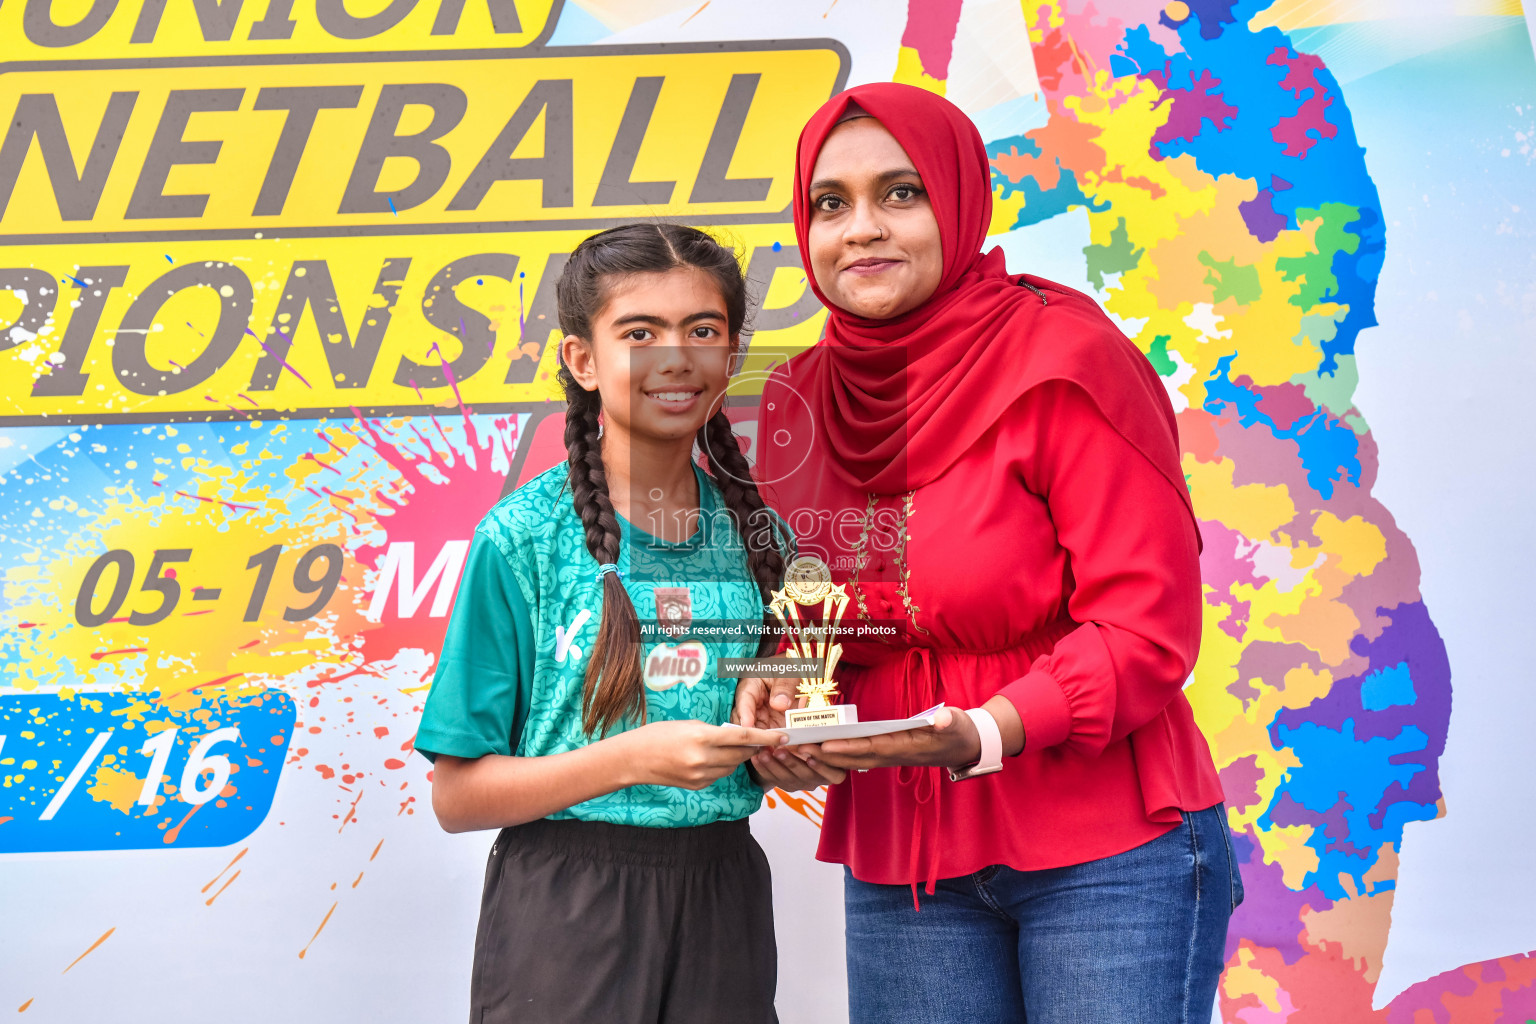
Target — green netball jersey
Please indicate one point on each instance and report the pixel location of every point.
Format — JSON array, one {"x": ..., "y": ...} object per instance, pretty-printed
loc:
[{"x": 526, "y": 617}]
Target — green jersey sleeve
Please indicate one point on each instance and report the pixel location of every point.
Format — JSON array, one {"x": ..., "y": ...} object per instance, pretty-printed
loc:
[{"x": 483, "y": 683}]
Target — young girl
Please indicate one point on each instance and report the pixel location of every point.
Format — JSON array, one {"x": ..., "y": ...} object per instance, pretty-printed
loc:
[{"x": 624, "y": 884}]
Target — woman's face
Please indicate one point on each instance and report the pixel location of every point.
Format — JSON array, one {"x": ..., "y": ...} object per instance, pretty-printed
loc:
[{"x": 873, "y": 238}]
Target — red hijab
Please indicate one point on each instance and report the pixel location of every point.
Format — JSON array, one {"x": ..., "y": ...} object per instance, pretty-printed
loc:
[{"x": 901, "y": 400}]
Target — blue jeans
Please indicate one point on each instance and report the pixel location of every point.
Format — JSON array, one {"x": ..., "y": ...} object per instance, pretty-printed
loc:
[{"x": 1137, "y": 938}]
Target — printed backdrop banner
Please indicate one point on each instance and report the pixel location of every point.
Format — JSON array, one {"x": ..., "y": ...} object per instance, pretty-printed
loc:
[{"x": 277, "y": 327}]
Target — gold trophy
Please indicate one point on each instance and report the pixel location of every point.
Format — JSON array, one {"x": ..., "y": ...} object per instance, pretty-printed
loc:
[{"x": 807, "y": 583}]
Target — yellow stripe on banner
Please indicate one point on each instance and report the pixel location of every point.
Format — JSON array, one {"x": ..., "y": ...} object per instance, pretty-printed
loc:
[{"x": 168, "y": 28}]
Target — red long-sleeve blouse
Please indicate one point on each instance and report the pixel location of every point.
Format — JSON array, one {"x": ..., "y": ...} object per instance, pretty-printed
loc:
[{"x": 1052, "y": 563}]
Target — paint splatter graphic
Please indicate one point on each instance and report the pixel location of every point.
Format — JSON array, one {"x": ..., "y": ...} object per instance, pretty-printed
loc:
[
  {"x": 198, "y": 594},
  {"x": 266, "y": 605}
]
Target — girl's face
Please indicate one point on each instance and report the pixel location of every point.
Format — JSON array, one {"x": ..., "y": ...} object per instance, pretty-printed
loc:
[
  {"x": 659, "y": 354},
  {"x": 873, "y": 238}
]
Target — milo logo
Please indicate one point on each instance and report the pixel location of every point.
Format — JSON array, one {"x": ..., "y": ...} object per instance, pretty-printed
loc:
[{"x": 670, "y": 664}]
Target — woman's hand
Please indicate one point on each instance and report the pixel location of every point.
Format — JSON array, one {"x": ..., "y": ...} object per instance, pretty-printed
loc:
[
  {"x": 952, "y": 741},
  {"x": 690, "y": 755},
  {"x": 785, "y": 769}
]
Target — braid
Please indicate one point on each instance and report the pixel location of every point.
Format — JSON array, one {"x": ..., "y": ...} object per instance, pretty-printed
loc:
[
  {"x": 613, "y": 689},
  {"x": 743, "y": 503},
  {"x": 589, "y": 482}
]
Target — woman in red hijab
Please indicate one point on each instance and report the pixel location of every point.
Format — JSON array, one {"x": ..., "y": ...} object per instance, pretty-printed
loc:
[{"x": 993, "y": 470}]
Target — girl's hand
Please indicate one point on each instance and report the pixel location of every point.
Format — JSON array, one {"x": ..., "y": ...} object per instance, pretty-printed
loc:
[
  {"x": 952, "y": 741},
  {"x": 690, "y": 755},
  {"x": 787, "y": 770}
]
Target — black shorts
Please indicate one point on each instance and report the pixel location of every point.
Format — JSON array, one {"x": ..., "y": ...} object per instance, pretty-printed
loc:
[{"x": 584, "y": 922}]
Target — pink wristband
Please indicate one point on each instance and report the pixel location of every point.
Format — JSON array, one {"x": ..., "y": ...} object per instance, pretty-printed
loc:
[{"x": 991, "y": 747}]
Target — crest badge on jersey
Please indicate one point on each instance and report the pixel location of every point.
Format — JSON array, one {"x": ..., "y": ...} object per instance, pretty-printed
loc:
[{"x": 674, "y": 610}]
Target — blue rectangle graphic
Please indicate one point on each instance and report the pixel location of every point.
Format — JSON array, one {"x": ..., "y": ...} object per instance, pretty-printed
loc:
[{"x": 97, "y": 771}]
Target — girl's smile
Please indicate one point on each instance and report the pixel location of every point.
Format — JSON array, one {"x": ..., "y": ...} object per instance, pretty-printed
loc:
[{"x": 675, "y": 399}]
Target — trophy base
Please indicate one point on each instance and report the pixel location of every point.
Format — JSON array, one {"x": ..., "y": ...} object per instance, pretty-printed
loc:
[{"x": 835, "y": 714}]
